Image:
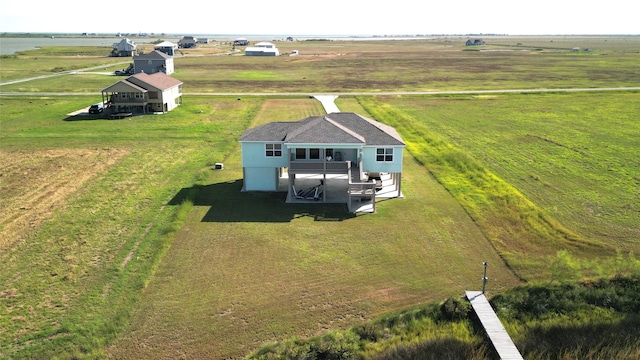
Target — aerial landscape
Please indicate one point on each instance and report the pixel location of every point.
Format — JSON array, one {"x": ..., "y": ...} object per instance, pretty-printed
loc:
[{"x": 236, "y": 194}]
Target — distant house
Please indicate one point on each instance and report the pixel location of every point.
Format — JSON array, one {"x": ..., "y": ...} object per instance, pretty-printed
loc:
[
  {"x": 240, "y": 42},
  {"x": 153, "y": 62},
  {"x": 475, "y": 42},
  {"x": 188, "y": 42},
  {"x": 289, "y": 38},
  {"x": 142, "y": 94},
  {"x": 344, "y": 152},
  {"x": 262, "y": 49},
  {"x": 203, "y": 41},
  {"x": 124, "y": 48},
  {"x": 167, "y": 47}
]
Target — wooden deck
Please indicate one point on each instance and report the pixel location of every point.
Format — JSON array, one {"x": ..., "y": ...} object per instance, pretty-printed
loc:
[{"x": 499, "y": 337}]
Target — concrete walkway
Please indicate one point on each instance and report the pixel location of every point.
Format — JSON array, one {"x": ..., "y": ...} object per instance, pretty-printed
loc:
[{"x": 328, "y": 102}]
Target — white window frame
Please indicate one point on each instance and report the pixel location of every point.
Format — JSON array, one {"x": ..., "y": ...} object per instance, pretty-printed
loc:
[
  {"x": 274, "y": 148},
  {"x": 384, "y": 154}
]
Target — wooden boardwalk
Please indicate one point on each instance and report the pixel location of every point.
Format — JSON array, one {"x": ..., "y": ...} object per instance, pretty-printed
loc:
[{"x": 499, "y": 337}]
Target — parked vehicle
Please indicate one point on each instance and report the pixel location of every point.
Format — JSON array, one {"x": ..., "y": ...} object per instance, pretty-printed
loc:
[
  {"x": 96, "y": 108},
  {"x": 127, "y": 71}
]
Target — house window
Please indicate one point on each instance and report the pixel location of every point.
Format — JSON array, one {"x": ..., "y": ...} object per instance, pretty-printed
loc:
[
  {"x": 301, "y": 154},
  {"x": 273, "y": 150},
  {"x": 153, "y": 94},
  {"x": 314, "y": 154},
  {"x": 384, "y": 154}
]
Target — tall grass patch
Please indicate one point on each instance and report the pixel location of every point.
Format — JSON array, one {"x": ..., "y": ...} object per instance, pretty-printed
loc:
[
  {"x": 577, "y": 320},
  {"x": 576, "y": 161},
  {"x": 474, "y": 161}
]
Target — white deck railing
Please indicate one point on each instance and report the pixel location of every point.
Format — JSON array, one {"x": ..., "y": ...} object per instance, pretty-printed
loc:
[
  {"x": 362, "y": 189},
  {"x": 319, "y": 167}
]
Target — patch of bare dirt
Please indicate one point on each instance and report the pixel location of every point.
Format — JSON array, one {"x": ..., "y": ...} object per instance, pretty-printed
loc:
[{"x": 33, "y": 183}]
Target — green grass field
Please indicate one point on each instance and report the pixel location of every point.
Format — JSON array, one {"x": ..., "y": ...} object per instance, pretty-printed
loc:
[{"x": 154, "y": 254}]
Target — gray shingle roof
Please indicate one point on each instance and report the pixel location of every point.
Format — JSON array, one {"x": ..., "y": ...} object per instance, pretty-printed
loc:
[
  {"x": 335, "y": 128},
  {"x": 154, "y": 55}
]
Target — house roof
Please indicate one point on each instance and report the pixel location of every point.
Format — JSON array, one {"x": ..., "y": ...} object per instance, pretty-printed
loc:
[
  {"x": 154, "y": 55},
  {"x": 159, "y": 80},
  {"x": 265, "y": 44},
  {"x": 166, "y": 44},
  {"x": 142, "y": 82},
  {"x": 123, "y": 86},
  {"x": 334, "y": 128}
]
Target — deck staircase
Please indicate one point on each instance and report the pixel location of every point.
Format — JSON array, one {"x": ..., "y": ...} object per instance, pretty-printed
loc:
[{"x": 362, "y": 192}]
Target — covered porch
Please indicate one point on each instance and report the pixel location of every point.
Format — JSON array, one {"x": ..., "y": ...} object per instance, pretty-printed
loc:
[
  {"x": 339, "y": 183},
  {"x": 124, "y": 97}
]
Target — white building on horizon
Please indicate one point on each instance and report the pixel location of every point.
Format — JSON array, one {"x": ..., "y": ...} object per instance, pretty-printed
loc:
[{"x": 262, "y": 49}]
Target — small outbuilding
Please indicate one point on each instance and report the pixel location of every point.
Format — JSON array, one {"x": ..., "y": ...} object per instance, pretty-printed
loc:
[{"x": 262, "y": 49}]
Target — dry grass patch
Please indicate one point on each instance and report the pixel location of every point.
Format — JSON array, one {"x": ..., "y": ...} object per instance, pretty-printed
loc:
[{"x": 35, "y": 182}]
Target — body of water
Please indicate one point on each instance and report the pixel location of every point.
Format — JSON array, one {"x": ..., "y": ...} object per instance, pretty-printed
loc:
[{"x": 10, "y": 45}]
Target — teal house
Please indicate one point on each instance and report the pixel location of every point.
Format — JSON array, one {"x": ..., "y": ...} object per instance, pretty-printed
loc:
[{"x": 338, "y": 157}]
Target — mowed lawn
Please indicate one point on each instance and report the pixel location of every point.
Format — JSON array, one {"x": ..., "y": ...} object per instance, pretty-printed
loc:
[{"x": 247, "y": 268}]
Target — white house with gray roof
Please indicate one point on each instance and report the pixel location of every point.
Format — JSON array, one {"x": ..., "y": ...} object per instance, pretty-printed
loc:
[
  {"x": 124, "y": 48},
  {"x": 153, "y": 62},
  {"x": 348, "y": 156}
]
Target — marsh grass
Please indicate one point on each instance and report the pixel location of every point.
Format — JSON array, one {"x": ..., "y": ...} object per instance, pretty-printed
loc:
[
  {"x": 351, "y": 66},
  {"x": 579, "y": 320}
]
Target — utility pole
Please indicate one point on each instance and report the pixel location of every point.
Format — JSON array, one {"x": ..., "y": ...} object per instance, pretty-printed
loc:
[{"x": 485, "y": 279}]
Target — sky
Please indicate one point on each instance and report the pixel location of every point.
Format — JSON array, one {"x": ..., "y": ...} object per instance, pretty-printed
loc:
[{"x": 323, "y": 17}]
